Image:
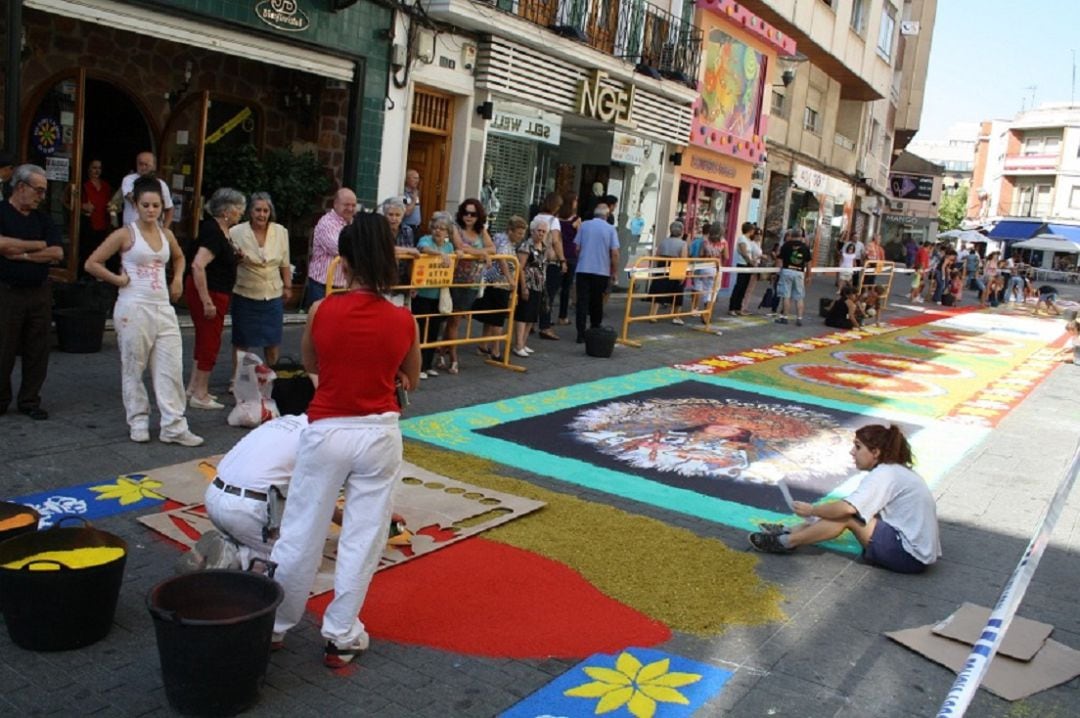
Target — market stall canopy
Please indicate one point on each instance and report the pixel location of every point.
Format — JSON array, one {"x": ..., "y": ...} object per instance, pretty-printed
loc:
[
  {"x": 963, "y": 236},
  {"x": 1049, "y": 243}
]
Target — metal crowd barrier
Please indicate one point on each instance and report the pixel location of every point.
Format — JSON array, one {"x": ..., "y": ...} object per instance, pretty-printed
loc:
[
  {"x": 675, "y": 269},
  {"x": 431, "y": 271}
]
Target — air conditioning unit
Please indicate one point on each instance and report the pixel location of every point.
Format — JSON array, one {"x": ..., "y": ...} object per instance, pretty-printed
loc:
[{"x": 896, "y": 204}]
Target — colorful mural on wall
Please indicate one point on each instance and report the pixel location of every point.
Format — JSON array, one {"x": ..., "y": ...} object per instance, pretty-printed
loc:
[{"x": 731, "y": 85}]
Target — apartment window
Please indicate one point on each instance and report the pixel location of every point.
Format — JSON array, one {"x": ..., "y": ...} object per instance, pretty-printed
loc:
[
  {"x": 779, "y": 104},
  {"x": 1041, "y": 145},
  {"x": 859, "y": 10},
  {"x": 887, "y": 31},
  {"x": 812, "y": 120},
  {"x": 1052, "y": 145},
  {"x": 1032, "y": 200},
  {"x": 1074, "y": 198}
]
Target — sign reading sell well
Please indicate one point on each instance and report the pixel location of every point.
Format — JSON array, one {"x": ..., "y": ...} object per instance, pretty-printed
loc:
[
  {"x": 607, "y": 104},
  {"x": 546, "y": 127}
]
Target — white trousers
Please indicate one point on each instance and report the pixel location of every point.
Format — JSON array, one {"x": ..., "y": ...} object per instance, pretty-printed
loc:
[
  {"x": 242, "y": 520},
  {"x": 363, "y": 454},
  {"x": 149, "y": 335}
]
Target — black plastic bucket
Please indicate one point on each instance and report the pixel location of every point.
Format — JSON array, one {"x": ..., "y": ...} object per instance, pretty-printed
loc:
[
  {"x": 213, "y": 634},
  {"x": 16, "y": 519},
  {"x": 600, "y": 342},
  {"x": 61, "y": 609},
  {"x": 79, "y": 330}
]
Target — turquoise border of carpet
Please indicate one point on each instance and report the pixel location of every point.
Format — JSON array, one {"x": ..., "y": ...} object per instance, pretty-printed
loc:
[{"x": 457, "y": 430}]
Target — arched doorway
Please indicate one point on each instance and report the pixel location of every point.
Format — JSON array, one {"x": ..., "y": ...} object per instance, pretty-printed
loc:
[{"x": 73, "y": 120}]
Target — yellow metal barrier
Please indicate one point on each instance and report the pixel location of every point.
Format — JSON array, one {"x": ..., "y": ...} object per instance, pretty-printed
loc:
[
  {"x": 878, "y": 268},
  {"x": 430, "y": 271},
  {"x": 677, "y": 270}
]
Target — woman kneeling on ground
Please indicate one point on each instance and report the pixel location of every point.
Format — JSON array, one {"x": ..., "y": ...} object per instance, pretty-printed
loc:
[{"x": 892, "y": 512}]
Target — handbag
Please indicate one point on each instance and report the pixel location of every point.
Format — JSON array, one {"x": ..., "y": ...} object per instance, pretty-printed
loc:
[
  {"x": 293, "y": 389},
  {"x": 446, "y": 302}
]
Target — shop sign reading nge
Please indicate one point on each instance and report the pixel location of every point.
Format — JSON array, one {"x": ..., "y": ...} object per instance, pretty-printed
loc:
[{"x": 604, "y": 103}]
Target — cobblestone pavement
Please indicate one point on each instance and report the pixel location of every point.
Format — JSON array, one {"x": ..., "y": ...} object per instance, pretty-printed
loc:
[{"x": 829, "y": 658}]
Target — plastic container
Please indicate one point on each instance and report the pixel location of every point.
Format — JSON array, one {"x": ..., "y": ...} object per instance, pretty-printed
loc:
[
  {"x": 213, "y": 634},
  {"x": 16, "y": 519},
  {"x": 600, "y": 342},
  {"x": 65, "y": 608},
  {"x": 79, "y": 330}
]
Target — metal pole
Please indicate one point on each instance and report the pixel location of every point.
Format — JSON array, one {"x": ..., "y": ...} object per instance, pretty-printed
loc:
[{"x": 13, "y": 88}]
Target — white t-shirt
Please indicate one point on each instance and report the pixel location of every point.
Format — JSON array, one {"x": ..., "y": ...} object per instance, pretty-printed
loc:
[
  {"x": 742, "y": 244},
  {"x": 755, "y": 253},
  {"x": 128, "y": 184},
  {"x": 266, "y": 456},
  {"x": 899, "y": 497}
]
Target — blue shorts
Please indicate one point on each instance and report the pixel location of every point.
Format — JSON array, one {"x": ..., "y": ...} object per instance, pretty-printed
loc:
[
  {"x": 887, "y": 551},
  {"x": 790, "y": 285}
]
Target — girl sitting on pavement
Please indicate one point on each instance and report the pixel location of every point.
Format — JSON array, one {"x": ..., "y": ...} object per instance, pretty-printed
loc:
[{"x": 892, "y": 513}]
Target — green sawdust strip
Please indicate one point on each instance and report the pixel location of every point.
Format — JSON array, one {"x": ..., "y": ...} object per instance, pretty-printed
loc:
[{"x": 692, "y": 584}]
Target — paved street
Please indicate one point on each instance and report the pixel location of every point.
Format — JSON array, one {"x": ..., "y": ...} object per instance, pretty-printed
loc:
[{"x": 827, "y": 658}]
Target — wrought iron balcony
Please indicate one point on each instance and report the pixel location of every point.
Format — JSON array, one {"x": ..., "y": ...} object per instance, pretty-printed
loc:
[{"x": 657, "y": 42}]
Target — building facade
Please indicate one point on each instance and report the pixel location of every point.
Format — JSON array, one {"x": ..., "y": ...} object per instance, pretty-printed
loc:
[{"x": 195, "y": 83}]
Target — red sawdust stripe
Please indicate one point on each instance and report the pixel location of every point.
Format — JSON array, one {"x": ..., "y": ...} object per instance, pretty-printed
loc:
[{"x": 485, "y": 598}]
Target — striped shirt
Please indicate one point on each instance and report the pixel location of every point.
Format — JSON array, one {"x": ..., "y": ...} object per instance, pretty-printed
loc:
[{"x": 324, "y": 247}]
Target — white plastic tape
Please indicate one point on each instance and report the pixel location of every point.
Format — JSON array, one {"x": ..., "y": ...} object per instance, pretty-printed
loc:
[{"x": 970, "y": 677}]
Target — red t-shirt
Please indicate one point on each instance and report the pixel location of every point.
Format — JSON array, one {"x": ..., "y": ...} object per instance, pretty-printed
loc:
[
  {"x": 922, "y": 258},
  {"x": 361, "y": 340},
  {"x": 99, "y": 217}
]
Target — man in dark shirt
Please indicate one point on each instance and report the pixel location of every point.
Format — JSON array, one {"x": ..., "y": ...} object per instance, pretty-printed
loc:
[
  {"x": 794, "y": 263},
  {"x": 29, "y": 243}
]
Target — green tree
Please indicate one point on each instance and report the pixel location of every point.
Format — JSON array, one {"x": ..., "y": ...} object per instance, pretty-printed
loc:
[{"x": 952, "y": 209}]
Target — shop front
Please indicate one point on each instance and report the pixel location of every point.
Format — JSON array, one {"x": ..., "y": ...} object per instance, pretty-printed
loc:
[
  {"x": 718, "y": 179},
  {"x": 822, "y": 205},
  {"x": 559, "y": 127},
  {"x": 211, "y": 89}
]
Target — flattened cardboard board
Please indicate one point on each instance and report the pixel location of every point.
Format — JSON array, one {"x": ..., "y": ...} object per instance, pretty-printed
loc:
[
  {"x": 185, "y": 483},
  {"x": 1022, "y": 641},
  {"x": 438, "y": 512},
  {"x": 1007, "y": 678}
]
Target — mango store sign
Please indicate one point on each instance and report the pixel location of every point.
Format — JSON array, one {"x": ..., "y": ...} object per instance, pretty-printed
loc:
[{"x": 526, "y": 123}]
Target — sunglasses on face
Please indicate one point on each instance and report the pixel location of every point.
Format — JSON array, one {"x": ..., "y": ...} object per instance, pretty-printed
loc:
[{"x": 468, "y": 213}]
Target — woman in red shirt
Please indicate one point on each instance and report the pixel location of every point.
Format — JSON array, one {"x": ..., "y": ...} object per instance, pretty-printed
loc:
[
  {"x": 96, "y": 194},
  {"x": 361, "y": 346}
]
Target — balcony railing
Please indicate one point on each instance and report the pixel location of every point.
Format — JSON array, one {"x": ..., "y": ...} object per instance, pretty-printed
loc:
[
  {"x": 1031, "y": 163},
  {"x": 657, "y": 42}
]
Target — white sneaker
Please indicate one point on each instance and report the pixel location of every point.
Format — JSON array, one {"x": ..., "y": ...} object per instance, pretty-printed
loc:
[
  {"x": 678, "y": 321},
  {"x": 335, "y": 656},
  {"x": 140, "y": 434},
  {"x": 423, "y": 375},
  {"x": 184, "y": 439},
  {"x": 528, "y": 350},
  {"x": 432, "y": 372},
  {"x": 207, "y": 403}
]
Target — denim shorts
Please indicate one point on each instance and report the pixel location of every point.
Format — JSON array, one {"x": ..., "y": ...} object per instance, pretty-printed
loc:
[
  {"x": 887, "y": 551},
  {"x": 790, "y": 285}
]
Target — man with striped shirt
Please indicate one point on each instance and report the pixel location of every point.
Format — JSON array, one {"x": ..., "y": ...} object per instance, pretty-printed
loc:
[{"x": 324, "y": 246}]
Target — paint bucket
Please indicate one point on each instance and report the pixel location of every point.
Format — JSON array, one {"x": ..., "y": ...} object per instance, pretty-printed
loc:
[
  {"x": 600, "y": 342},
  {"x": 16, "y": 519},
  {"x": 79, "y": 330},
  {"x": 63, "y": 607},
  {"x": 213, "y": 634}
]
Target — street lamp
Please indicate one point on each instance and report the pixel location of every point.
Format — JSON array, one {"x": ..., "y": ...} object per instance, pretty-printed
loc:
[{"x": 788, "y": 65}]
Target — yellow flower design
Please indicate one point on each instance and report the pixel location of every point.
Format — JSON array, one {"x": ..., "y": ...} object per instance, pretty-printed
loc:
[
  {"x": 129, "y": 489},
  {"x": 636, "y": 686}
]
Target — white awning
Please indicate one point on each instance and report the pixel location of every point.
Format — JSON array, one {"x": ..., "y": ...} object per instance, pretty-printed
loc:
[{"x": 251, "y": 46}]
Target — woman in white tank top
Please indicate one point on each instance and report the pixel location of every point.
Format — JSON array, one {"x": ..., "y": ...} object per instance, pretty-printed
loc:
[{"x": 146, "y": 327}]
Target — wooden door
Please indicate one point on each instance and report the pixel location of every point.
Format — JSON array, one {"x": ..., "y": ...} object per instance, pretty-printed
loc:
[
  {"x": 53, "y": 140},
  {"x": 429, "y": 148},
  {"x": 180, "y": 163}
]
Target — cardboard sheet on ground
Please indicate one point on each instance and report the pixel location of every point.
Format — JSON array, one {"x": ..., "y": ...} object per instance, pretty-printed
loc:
[
  {"x": 1052, "y": 664},
  {"x": 438, "y": 512},
  {"x": 1022, "y": 641}
]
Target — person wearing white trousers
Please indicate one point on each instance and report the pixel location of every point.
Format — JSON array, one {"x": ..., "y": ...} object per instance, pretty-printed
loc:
[
  {"x": 367, "y": 451},
  {"x": 146, "y": 326},
  {"x": 353, "y": 440}
]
